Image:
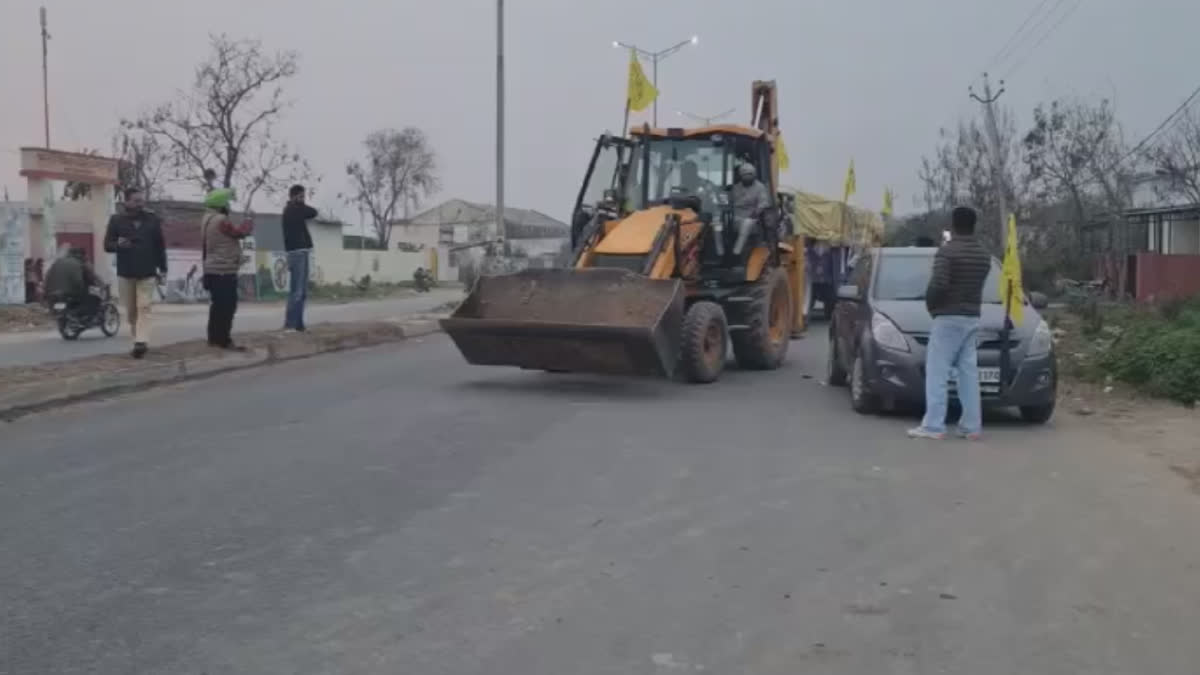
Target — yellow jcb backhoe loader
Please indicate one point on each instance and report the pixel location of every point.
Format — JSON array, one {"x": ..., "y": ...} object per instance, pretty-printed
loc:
[{"x": 669, "y": 268}]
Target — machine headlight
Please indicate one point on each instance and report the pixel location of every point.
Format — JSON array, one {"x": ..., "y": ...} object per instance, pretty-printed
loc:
[
  {"x": 722, "y": 199},
  {"x": 1042, "y": 340},
  {"x": 886, "y": 334}
]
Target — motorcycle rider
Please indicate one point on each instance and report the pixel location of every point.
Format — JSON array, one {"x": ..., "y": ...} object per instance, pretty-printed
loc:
[{"x": 70, "y": 280}]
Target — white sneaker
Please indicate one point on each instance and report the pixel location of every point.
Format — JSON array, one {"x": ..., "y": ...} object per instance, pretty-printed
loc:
[{"x": 922, "y": 432}]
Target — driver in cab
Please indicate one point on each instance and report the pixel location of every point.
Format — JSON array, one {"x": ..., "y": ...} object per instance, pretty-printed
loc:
[{"x": 749, "y": 198}]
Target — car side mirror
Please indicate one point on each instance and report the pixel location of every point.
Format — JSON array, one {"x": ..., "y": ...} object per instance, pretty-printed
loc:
[
  {"x": 847, "y": 292},
  {"x": 1039, "y": 300}
]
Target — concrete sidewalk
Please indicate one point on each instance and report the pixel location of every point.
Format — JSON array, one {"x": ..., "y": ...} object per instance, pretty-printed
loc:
[{"x": 179, "y": 323}]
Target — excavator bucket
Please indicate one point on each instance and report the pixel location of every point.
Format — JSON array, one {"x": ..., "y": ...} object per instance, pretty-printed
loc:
[{"x": 607, "y": 321}]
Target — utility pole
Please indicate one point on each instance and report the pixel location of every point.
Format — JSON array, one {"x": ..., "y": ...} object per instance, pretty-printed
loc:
[
  {"x": 500, "y": 230},
  {"x": 45, "y": 75},
  {"x": 988, "y": 100}
]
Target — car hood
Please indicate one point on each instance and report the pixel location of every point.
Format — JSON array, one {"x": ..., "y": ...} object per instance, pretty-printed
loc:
[{"x": 910, "y": 316}]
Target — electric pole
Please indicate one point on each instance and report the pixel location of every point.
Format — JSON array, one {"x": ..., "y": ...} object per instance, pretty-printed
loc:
[
  {"x": 45, "y": 75},
  {"x": 988, "y": 100},
  {"x": 500, "y": 233}
]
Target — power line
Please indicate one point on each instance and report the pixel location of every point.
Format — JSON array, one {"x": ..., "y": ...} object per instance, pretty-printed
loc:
[
  {"x": 1002, "y": 54},
  {"x": 1173, "y": 117},
  {"x": 1045, "y": 36}
]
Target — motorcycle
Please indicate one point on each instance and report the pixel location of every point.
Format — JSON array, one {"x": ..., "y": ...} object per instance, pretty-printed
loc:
[{"x": 73, "y": 319}]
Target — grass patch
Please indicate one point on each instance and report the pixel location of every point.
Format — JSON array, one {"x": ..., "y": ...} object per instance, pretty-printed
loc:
[{"x": 1155, "y": 350}]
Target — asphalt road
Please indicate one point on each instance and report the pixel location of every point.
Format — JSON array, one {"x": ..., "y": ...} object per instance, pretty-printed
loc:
[
  {"x": 178, "y": 323},
  {"x": 395, "y": 511}
]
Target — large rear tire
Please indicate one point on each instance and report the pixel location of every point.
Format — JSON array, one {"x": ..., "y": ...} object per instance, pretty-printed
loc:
[
  {"x": 763, "y": 344},
  {"x": 704, "y": 343}
]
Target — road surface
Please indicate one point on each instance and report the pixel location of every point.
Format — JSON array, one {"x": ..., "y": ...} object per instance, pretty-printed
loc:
[
  {"x": 395, "y": 511},
  {"x": 178, "y": 323}
]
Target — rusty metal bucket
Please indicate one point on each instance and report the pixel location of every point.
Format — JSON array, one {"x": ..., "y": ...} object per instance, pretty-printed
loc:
[{"x": 607, "y": 321}]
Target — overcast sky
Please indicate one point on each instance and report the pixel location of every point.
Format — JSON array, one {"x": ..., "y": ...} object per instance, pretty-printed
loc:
[{"x": 868, "y": 79}]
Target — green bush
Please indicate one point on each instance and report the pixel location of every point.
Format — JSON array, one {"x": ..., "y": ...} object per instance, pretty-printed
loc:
[{"x": 1159, "y": 351}]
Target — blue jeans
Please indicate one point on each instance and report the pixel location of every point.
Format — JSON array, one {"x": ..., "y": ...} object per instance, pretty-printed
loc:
[
  {"x": 952, "y": 350},
  {"x": 297, "y": 289}
]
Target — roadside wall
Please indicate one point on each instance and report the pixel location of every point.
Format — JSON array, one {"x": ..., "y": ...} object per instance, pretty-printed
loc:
[{"x": 1166, "y": 276}]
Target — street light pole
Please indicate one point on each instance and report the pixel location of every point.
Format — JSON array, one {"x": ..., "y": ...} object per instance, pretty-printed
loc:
[
  {"x": 500, "y": 233},
  {"x": 706, "y": 121},
  {"x": 655, "y": 57}
]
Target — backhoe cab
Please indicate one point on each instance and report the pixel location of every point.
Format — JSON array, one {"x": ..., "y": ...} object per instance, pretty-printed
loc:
[{"x": 673, "y": 261}]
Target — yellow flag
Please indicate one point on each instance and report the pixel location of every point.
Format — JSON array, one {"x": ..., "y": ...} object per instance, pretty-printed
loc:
[
  {"x": 851, "y": 184},
  {"x": 641, "y": 93},
  {"x": 1010, "y": 275},
  {"x": 887, "y": 202},
  {"x": 781, "y": 155}
]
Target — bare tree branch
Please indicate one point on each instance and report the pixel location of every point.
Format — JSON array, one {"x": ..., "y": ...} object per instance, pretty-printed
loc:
[
  {"x": 1176, "y": 157},
  {"x": 225, "y": 121},
  {"x": 400, "y": 169}
]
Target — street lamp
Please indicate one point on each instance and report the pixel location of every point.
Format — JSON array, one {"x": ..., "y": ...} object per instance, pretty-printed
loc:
[
  {"x": 706, "y": 121},
  {"x": 655, "y": 57}
]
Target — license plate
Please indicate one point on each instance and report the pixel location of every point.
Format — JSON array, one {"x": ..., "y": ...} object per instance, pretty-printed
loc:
[
  {"x": 986, "y": 376},
  {"x": 60, "y": 306}
]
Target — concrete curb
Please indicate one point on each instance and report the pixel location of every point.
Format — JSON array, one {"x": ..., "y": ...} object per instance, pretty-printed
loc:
[{"x": 24, "y": 399}]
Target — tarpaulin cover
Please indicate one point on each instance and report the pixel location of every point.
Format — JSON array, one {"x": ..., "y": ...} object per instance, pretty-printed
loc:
[{"x": 833, "y": 221}]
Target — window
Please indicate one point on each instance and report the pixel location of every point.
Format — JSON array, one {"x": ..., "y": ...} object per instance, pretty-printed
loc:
[
  {"x": 695, "y": 165},
  {"x": 905, "y": 277}
]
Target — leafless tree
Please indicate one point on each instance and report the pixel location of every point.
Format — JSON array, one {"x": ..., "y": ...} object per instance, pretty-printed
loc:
[
  {"x": 142, "y": 163},
  {"x": 960, "y": 172},
  {"x": 226, "y": 122},
  {"x": 1176, "y": 157},
  {"x": 400, "y": 169},
  {"x": 1074, "y": 153}
]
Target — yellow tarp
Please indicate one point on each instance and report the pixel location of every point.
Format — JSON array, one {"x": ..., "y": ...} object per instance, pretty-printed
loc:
[{"x": 833, "y": 221}]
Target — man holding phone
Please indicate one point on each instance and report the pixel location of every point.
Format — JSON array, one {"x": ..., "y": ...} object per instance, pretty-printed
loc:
[{"x": 135, "y": 235}]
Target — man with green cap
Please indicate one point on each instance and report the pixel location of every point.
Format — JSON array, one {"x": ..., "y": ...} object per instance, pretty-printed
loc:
[{"x": 221, "y": 252}]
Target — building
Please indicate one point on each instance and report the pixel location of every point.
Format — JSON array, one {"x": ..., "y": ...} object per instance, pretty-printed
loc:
[
  {"x": 457, "y": 230},
  {"x": 1152, "y": 251}
]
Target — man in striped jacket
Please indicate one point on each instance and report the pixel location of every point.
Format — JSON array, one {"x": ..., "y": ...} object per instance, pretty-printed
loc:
[
  {"x": 222, "y": 254},
  {"x": 954, "y": 296}
]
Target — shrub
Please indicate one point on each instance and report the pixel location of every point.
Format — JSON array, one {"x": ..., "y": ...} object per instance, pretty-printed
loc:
[{"x": 1159, "y": 352}]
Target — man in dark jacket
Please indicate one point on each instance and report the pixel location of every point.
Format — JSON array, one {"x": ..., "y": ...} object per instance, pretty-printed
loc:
[
  {"x": 954, "y": 296},
  {"x": 70, "y": 280},
  {"x": 135, "y": 235},
  {"x": 299, "y": 245}
]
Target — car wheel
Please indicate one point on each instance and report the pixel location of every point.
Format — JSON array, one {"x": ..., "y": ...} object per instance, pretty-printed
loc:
[
  {"x": 861, "y": 398},
  {"x": 1037, "y": 414},
  {"x": 835, "y": 374}
]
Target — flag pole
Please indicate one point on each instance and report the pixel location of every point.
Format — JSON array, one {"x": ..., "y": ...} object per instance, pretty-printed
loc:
[
  {"x": 1005, "y": 330},
  {"x": 625, "y": 124}
]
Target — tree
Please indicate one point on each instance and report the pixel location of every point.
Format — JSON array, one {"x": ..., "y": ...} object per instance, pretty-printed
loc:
[
  {"x": 1176, "y": 157},
  {"x": 142, "y": 163},
  {"x": 1073, "y": 154},
  {"x": 960, "y": 173},
  {"x": 226, "y": 121},
  {"x": 400, "y": 169}
]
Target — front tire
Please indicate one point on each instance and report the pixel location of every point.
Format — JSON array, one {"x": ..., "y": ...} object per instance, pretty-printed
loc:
[
  {"x": 764, "y": 343},
  {"x": 110, "y": 320},
  {"x": 704, "y": 343}
]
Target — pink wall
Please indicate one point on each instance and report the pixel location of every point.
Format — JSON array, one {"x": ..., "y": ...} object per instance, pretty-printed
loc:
[{"x": 1162, "y": 277}]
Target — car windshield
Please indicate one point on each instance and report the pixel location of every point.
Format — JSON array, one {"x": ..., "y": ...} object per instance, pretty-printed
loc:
[
  {"x": 694, "y": 164},
  {"x": 905, "y": 277}
]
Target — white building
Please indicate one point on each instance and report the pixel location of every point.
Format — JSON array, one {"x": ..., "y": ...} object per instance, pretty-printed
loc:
[{"x": 533, "y": 238}]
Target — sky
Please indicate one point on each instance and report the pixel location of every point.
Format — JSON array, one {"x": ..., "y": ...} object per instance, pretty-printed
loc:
[{"x": 868, "y": 80}]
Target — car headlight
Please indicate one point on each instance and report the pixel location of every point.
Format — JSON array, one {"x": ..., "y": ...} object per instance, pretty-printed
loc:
[
  {"x": 1042, "y": 340},
  {"x": 886, "y": 334}
]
